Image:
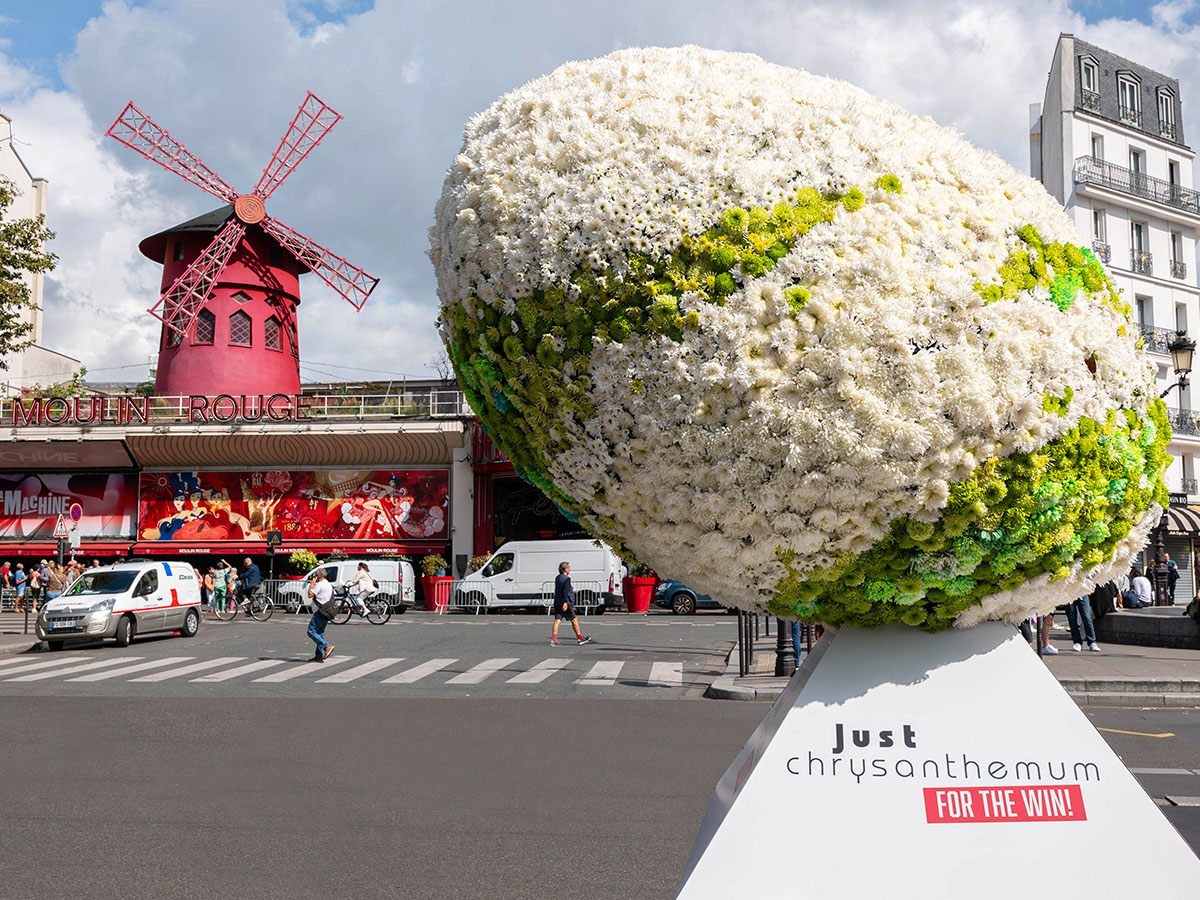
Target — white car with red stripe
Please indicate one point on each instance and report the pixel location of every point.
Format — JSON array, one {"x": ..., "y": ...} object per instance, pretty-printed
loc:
[{"x": 122, "y": 601}]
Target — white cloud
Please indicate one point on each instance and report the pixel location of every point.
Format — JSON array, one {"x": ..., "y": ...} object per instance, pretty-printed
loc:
[{"x": 225, "y": 76}]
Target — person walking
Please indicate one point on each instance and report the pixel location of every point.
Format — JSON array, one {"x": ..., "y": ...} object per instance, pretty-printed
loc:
[
  {"x": 564, "y": 604},
  {"x": 320, "y": 594},
  {"x": 363, "y": 586},
  {"x": 1172, "y": 575},
  {"x": 1079, "y": 608},
  {"x": 54, "y": 581},
  {"x": 1045, "y": 623},
  {"x": 210, "y": 592},
  {"x": 34, "y": 592},
  {"x": 220, "y": 584}
]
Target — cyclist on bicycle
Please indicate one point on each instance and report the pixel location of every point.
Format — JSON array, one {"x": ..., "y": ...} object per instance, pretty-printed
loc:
[
  {"x": 366, "y": 586},
  {"x": 251, "y": 579}
]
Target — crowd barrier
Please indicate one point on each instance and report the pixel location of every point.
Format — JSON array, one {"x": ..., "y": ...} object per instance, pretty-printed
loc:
[{"x": 589, "y": 595}]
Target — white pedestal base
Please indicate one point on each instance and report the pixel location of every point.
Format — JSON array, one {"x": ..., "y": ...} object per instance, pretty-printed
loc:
[{"x": 898, "y": 764}]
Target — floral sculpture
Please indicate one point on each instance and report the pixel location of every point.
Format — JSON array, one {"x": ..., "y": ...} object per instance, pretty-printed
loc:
[{"x": 795, "y": 346}]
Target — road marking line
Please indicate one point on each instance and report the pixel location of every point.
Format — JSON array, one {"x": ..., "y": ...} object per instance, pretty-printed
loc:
[
  {"x": 306, "y": 669},
  {"x": 25, "y": 658},
  {"x": 602, "y": 673},
  {"x": 71, "y": 670},
  {"x": 137, "y": 667},
  {"x": 416, "y": 673},
  {"x": 240, "y": 670},
  {"x": 43, "y": 663},
  {"x": 1138, "y": 733},
  {"x": 1163, "y": 772},
  {"x": 1183, "y": 801},
  {"x": 484, "y": 670},
  {"x": 540, "y": 672},
  {"x": 359, "y": 671},
  {"x": 188, "y": 670},
  {"x": 666, "y": 674}
]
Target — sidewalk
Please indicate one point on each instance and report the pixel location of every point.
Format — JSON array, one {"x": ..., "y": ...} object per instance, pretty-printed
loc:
[
  {"x": 1120, "y": 675},
  {"x": 12, "y": 638}
]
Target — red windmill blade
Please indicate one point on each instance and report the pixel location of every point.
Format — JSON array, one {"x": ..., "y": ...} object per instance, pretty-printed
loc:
[{"x": 182, "y": 302}]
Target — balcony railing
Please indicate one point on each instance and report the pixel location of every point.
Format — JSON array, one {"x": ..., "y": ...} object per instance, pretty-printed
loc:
[
  {"x": 1102, "y": 250},
  {"x": 1089, "y": 170},
  {"x": 1189, "y": 486},
  {"x": 1090, "y": 100},
  {"x": 1167, "y": 130},
  {"x": 1184, "y": 421},
  {"x": 1157, "y": 338},
  {"x": 1131, "y": 116},
  {"x": 1141, "y": 261},
  {"x": 1178, "y": 268}
]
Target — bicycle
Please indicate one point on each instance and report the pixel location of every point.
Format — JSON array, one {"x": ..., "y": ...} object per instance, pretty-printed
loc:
[
  {"x": 379, "y": 610},
  {"x": 257, "y": 606}
]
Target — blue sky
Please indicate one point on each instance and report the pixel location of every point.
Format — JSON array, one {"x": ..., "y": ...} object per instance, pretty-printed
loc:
[{"x": 225, "y": 76}]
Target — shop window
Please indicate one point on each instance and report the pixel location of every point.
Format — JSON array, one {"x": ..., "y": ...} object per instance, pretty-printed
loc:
[
  {"x": 206, "y": 326},
  {"x": 239, "y": 329},
  {"x": 271, "y": 334}
]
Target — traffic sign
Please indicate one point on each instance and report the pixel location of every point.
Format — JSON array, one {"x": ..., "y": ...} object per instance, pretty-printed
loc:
[
  {"x": 274, "y": 538},
  {"x": 60, "y": 527},
  {"x": 76, "y": 512}
]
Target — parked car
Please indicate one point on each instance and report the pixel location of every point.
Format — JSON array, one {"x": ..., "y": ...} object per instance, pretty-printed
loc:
[
  {"x": 522, "y": 573},
  {"x": 681, "y": 599},
  {"x": 395, "y": 577},
  {"x": 122, "y": 601}
]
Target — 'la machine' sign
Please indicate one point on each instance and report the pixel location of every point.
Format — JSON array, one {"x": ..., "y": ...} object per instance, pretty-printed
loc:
[{"x": 222, "y": 408}]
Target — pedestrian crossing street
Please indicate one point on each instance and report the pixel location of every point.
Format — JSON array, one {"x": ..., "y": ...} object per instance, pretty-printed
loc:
[{"x": 336, "y": 670}]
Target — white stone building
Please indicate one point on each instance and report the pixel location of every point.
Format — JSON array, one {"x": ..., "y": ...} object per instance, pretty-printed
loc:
[
  {"x": 35, "y": 364},
  {"x": 1108, "y": 142}
]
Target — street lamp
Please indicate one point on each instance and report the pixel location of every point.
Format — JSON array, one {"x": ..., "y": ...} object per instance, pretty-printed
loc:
[{"x": 1181, "y": 349}]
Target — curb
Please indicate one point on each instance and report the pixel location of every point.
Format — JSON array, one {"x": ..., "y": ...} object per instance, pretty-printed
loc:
[{"x": 17, "y": 647}]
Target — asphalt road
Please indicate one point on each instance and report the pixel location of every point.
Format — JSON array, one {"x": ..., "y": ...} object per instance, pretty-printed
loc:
[{"x": 414, "y": 655}]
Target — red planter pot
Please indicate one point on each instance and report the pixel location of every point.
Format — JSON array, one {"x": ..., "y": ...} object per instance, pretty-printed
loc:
[
  {"x": 638, "y": 593},
  {"x": 436, "y": 591}
]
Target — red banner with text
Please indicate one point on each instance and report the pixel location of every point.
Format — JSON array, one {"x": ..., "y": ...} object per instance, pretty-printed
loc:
[{"x": 343, "y": 505}]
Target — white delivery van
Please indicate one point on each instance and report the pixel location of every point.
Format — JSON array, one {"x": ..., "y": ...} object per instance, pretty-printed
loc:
[
  {"x": 395, "y": 576},
  {"x": 522, "y": 573},
  {"x": 121, "y": 601}
]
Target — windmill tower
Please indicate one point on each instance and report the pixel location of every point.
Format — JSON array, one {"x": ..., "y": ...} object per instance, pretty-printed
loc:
[{"x": 231, "y": 277}]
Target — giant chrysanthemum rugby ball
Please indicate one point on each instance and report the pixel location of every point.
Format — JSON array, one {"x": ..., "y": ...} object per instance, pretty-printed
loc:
[{"x": 790, "y": 344}]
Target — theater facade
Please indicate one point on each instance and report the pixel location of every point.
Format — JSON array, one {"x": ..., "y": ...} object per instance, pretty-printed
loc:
[{"x": 405, "y": 472}]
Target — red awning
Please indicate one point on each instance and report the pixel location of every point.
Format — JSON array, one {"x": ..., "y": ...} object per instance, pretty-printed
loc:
[
  {"x": 258, "y": 548},
  {"x": 48, "y": 549}
]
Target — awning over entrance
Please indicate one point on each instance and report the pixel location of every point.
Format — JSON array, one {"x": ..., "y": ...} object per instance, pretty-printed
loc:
[
  {"x": 48, "y": 549},
  {"x": 411, "y": 549},
  {"x": 1184, "y": 520}
]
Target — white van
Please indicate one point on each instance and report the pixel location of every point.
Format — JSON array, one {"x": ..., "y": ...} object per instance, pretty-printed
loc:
[
  {"x": 122, "y": 601},
  {"x": 522, "y": 573},
  {"x": 395, "y": 576}
]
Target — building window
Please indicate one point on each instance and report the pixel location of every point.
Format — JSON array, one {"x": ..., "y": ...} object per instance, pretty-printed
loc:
[
  {"x": 174, "y": 338},
  {"x": 177, "y": 251},
  {"x": 291, "y": 336},
  {"x": 241, "y": 297},
  {"x": 1145, "y": 312},
  {"x": 1128, "y": 92},
  {"x": 1089, "y": 73},
  {"x": 239, "y": 329},
  {"x": 1180, "y": 317},
  {"x": 1166, "y": 114},
  {"x": 1099, "y": 229},
  {"x": 206, "y": 325},
  {"x": 1097, "y": 146},
  {"x": 271, "y": 334},
  {"x": 1137, "y": 161}
]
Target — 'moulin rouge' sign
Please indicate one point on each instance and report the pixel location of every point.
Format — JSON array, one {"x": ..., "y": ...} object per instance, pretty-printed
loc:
[{"x": 198, "y": 409}]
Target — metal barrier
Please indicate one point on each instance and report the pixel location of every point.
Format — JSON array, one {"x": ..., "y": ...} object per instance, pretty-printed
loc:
[
  {"x": 588, "y": 595},
  {"x": 291, "y": 595},
  {"x": 465, "y": 595}
]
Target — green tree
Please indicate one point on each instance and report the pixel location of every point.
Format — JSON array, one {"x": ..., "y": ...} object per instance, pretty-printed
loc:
[{"x": 22, "y": 243}]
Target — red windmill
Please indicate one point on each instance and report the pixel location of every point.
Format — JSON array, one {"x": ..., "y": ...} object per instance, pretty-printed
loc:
[{"x": 229, "y": 293}]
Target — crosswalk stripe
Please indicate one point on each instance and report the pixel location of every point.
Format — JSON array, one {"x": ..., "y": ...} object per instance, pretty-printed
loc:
[
  {"x": 602, "y": 673},
  {"x": 25, "y": 658},
  {"x": 666, "y": 674},
  {"x": 484, "y": 670},
  {"x": 71, "y": 670},
  {"x": 307, "y": 669},
  {"x": 239, "y": 670},
  {"x": 540, "y": 672},
  {"x": 188, "y": 670},
  {"x": 136, "y": 667},
  {"x": 359, "y": 671},
  {"x": 416, "y": 673},
  {"x": 42, "y": 664}
]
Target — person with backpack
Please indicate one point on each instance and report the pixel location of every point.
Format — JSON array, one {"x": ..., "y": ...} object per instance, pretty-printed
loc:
[{"x": 320, "y": 595}]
